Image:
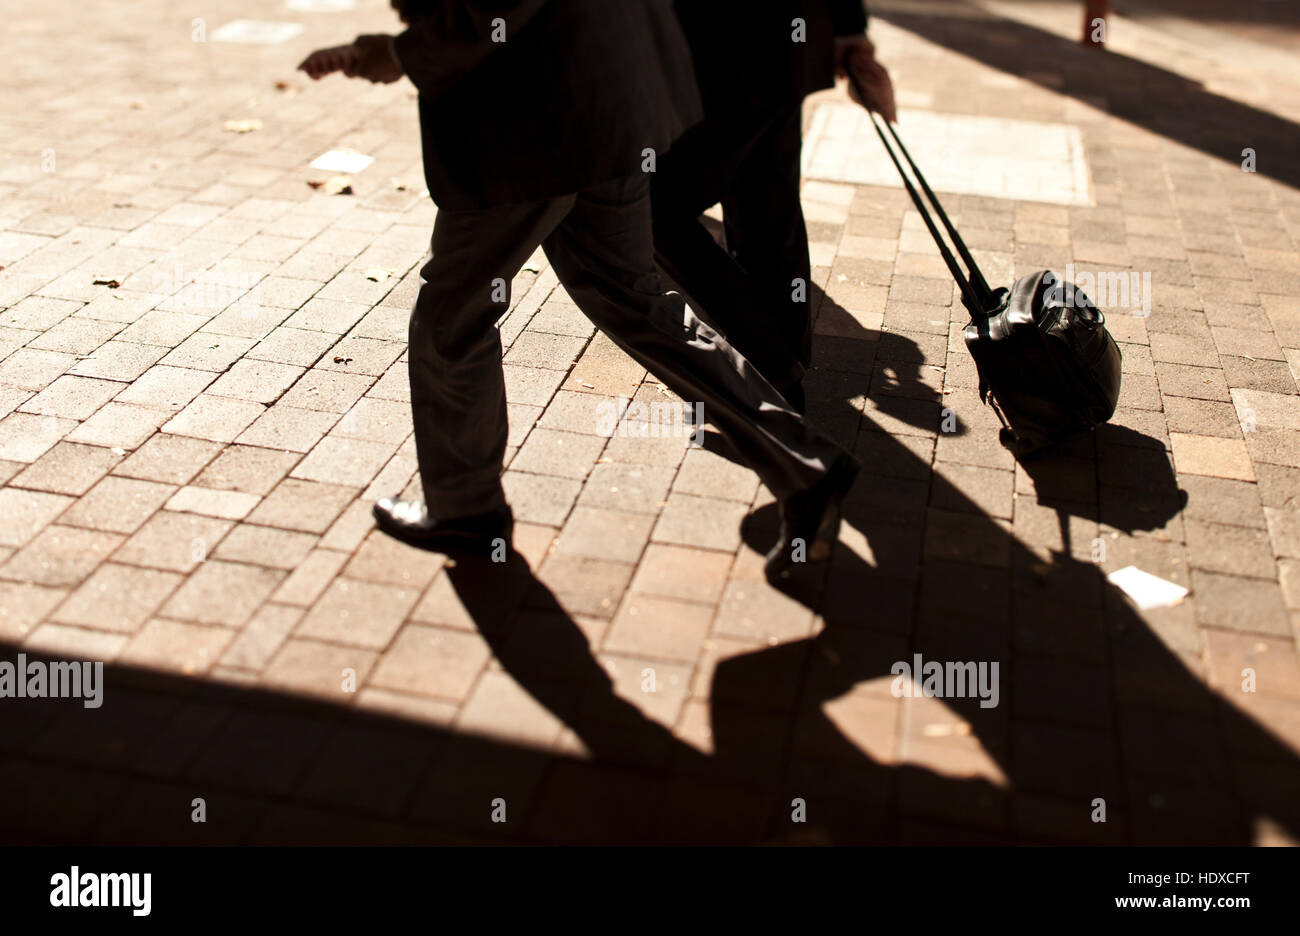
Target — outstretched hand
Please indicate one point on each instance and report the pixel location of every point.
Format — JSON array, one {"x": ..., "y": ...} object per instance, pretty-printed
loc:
[
  {"x": 869, "y": 81},
  {"x": 323, "y": 62}
]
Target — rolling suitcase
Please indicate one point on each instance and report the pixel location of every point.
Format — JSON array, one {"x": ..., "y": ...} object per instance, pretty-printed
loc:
[{"x": 1047, "y": 365}]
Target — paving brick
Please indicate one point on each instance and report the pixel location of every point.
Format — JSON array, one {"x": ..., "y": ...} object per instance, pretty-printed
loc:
[
  {"x": 1257, "y": 374},
  {"x": 386, "y": 561},
  {"x": 565, "y": 454},
  {"x": 191, "y": 649},
  {"x": 118, "y": 505},
  {"x": 1280, "y": 447},
  {"x": 343, "y": 461},
  {"x": 626, "y": 487},
  {"x": 708, "y": 474},
  {"x": 372, "y": 420},
  {"x": 166, "y": 387},
  {"x": 1202, "y": 417},
  {"x": 173, "y": 541},
  {"x": 23, "y": 606},
  {"x": 659, "y": 628},
  {"x": 60, "y": 555},
  {"x": 1267, "y": 411},
  {"x": 166, "y": 329},
  {"x": 359, "y": 613},
  {"x": 67, "y": 469},
  {"x": 60, "y": 640},
  {"x": 682, "y": 573},
  {"x": 77, "y": 336},
  {"x": 326, "y": 391},
  {"x": 30, "y": 369},
  {"x": 219, "y": 592},
  {"x": 292, "y": 346},
  {"x": 1232, "y": 549},
  {"x": 218, "y": 419},
  {"x": 707, "y": 523},
  {"x": 1273, "y": 663},
  {"x": 1244, "y": 605},
  {"x": 204, "y": 351},
  {"x": 25, "y": 437},
  {"x": 169, "y": 459},
  {"x": 604, "y": 534},
  {"x": 331, "y": 316},
  {"x": 23, "y": 514},
  {"x": 755, "y": 611},
  {"x": 302, "y": 505},
  {"x": 1205, "y": 455},
  {"x": 310, "y": 577},
  {"x": 253, "y": 648},
  {"x": 117, "y": 598},
  {"x": 319, "y": 669},
  {"x": 1222, "y": 500},
  {"x": 257, "y": 381},
  {"x": 288, "y": 428},
  {"x": 432, "y": 661},
  {"x": 231, "y": 505},
  {"x": 118, "y": 360},
  {"x": 538, "y": 498},
  {"x": 498, "y": 707},
  {"x": 1202, "y": 383}
]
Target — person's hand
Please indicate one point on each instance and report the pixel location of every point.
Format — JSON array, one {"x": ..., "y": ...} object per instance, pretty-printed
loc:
[
  {"x": 376, "y": 61},
  {"x": 324, "y": 61},
  {"x": 870, "y": 84}
]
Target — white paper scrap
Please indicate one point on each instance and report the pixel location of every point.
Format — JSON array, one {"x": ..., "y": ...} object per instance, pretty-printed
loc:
[
  {"x": 1147, "y": 591},
  {"x": 342, "y": 161},
  {"x": 261, "y": 32}
]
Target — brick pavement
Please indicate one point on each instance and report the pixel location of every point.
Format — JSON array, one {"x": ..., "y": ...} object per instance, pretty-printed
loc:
[{"x": 188, "y": 459}]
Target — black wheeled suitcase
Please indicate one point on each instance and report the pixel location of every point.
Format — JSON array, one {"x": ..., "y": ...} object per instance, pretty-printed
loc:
[{"x": 1047, "y": 365}]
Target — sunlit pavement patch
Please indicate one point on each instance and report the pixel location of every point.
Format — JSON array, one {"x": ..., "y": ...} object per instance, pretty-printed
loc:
[{"x": 966, "y": 155}]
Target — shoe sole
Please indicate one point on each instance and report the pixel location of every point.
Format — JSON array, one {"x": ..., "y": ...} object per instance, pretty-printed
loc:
[
  {"x": 478, "y": 544},
  {"x": 828, "y": 530}
]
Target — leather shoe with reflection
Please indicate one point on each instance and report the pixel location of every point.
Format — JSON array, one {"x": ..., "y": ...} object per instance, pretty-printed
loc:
[
  {"x": 810, "y": 521},
  {"x": 409, "y": 521}
]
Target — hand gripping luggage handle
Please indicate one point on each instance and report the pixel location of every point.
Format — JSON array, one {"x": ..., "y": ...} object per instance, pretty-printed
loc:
[{"x": 976, "y": 295}]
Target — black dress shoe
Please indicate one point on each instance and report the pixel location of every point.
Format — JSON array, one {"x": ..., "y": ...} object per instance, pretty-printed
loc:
[
  {"x": 409, "y": 521},
  {"x": 810, "y": 521}
]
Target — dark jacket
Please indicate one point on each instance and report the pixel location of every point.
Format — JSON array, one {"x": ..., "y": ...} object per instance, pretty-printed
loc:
[
  {"x": 573, "y": 97},
  {"x": 745, "y": 50}
]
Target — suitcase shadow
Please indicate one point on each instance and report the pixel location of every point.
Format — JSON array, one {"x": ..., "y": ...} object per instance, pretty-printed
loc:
[{"x": 1098, "y": 702}]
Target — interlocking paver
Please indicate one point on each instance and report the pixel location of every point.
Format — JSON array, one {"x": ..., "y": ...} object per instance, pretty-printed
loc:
[
  {"x": 60, "y": 555},
  {"x": 118, "y": 505},
  {"x": 117, "y": 598},
  {"x": 67, "y": 469},
  {"x": 173, "y": 541},
  {"x": 432, "y": 661}
]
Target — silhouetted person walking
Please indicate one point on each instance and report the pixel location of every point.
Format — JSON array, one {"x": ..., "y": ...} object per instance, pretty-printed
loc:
[
  {"x": 755, "y": 64},
  {"x": 601, "y": 87}
]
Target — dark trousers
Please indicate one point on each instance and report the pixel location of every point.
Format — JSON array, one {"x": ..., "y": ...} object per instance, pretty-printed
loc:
[
  {"x": 600, "y": 243},
  {"x": 747, "y": 158}
]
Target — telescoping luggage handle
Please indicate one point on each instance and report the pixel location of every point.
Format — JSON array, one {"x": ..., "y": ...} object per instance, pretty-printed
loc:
[{"x": 976, "y": 295}]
